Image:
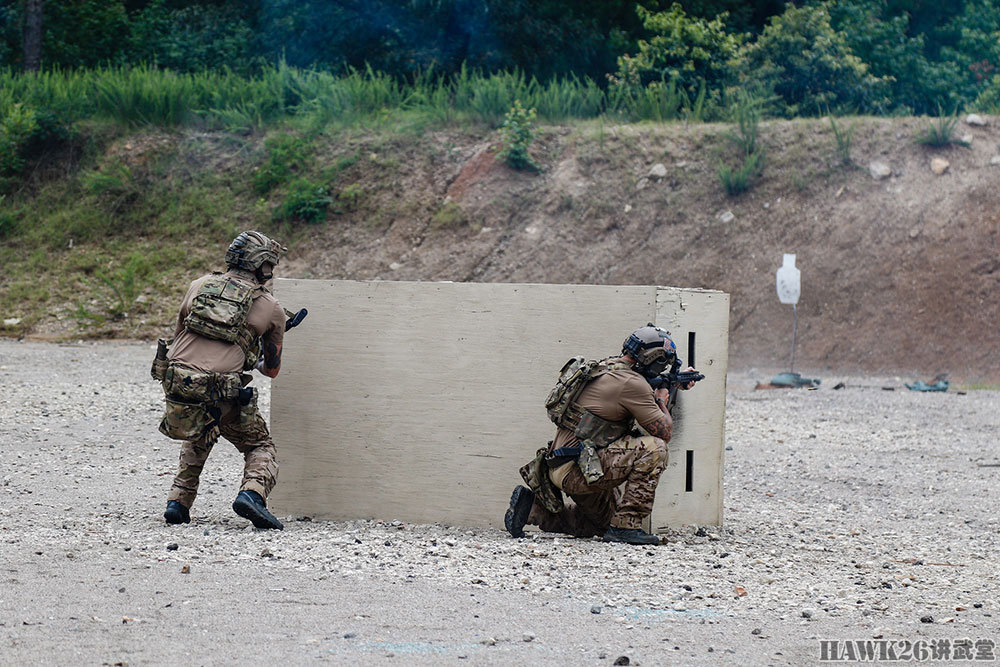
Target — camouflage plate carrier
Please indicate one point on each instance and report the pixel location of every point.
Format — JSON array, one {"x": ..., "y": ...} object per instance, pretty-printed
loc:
[{"x": 221, "y": 310}]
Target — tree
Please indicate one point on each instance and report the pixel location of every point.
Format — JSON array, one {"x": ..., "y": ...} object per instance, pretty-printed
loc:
[
  {"x": 32, "y": 35},
  {"x": 810, "y": 66},
  {"x": 690, "y": 51},
  {"x": 883, "y": 42}
]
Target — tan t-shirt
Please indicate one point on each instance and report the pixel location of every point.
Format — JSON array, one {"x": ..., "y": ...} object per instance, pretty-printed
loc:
[
  {"x": 266, "y": 316},
  {"x": 614, "y": 396}
]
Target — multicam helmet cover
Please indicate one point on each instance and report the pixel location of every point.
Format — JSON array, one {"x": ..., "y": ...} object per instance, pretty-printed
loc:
[
  {"x": 652, "y": 349},
  {"x": 250, "y": 250}
]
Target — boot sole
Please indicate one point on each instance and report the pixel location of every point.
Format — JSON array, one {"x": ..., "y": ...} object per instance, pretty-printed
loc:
[
  {"x": 259, "y": 518},
  {"x": 520, "y": 506}
]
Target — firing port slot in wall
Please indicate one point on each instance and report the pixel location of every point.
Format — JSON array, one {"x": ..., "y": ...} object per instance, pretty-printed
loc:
[
  {"x": 691, "y": 350},
  {"x": 689, "y": 472}
]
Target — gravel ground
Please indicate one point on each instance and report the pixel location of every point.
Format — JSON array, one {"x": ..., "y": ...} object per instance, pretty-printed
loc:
[{"x": 851, "y": 514}]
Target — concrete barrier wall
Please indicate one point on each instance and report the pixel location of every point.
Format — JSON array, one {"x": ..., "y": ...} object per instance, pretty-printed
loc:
[{"x": 420, "y": 401}]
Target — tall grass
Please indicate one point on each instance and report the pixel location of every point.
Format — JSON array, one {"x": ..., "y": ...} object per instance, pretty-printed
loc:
[{"x": 220, "y": 98}]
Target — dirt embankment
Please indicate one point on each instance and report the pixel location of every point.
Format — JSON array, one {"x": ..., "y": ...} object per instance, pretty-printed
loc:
[{"x": 897, "y": 273}]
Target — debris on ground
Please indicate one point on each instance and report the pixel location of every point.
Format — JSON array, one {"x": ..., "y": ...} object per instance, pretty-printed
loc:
[
  {"x": 789, "y": 381},
  {"x": 939, "y": 383}
]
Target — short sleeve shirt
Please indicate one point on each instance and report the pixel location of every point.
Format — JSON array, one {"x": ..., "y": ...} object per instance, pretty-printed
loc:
[
  {"x": 615, "y": 396},
  {"x": 266, "y": 316}
]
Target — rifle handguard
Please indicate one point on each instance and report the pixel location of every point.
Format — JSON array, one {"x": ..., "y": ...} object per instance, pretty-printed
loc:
[{"x": 681, "y": 378}]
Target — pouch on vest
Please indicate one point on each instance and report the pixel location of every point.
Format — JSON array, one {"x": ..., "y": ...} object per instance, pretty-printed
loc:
[
  {"x": 191, "y": 386},
  {"x": 220, "y": 309},
  {"x": 188, "y": 421},
  {"x": 561, "y": 403},
  {"x": 572, "y": 377},
  {"x": 536, "y": 475},
  {"x": 596, "y": 433}
]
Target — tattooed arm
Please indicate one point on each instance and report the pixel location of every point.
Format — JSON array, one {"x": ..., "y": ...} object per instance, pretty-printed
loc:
[
  {"x": 662, "y": 427},
  {"x": 272, "y": 359}
]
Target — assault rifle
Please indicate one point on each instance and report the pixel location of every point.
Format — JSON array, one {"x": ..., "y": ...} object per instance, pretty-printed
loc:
[
  {"x": 294, "y": 319},
  {"x": 674, "y": 379}
]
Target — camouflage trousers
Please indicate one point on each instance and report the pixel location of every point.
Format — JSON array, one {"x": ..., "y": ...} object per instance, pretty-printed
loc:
[
  {"x": 251, "y": 438},
  {"x": 622, "y": 498}
]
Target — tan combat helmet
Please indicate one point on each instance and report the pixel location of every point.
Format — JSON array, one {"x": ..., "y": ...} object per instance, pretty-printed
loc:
[
  {"x": 652, "y": 349},
  {"x": 250, "y": 250}
]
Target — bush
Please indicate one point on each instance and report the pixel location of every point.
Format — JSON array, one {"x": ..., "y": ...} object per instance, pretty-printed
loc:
[
  {"x": 8, "y": 223},
  {"x": 746, "y": 140},
  {"x": 940, "y": 132},
  {"x": 124, "y": 284},
  {"x": 191, "y": 39},
  {"x": 286, "y": 154},
  {"x": 517, "y": 133},
  {"x": 306, "y": 201},
  {"x": 843, "y": 137},
  {"x": 738, "y": 180},
  {"x": 16, "y": 131}
]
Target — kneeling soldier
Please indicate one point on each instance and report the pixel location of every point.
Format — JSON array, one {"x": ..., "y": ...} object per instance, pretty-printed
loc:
[
  {"x": 229, "y": 323},
  {"x": 596, "y": 448}
]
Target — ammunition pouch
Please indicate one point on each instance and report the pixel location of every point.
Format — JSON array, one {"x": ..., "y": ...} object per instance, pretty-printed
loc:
[
  {"x": 192, "y": 399},
  {"x": 536, "y": 475},
  {"x": 596, "y": 433},
  {"x": 188, "y": 385},
  {"x": 189, "y": 421}
]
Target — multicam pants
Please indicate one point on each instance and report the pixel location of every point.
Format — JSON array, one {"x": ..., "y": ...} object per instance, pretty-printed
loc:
[
  {"x": 248, "y": 432},
  {"x": 632, "y": 463}
]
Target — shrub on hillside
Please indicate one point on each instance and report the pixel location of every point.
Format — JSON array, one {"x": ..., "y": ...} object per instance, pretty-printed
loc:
[
  {"x": 745, "y": 138},
  {"x": 940, "y": 131},
  {"x": 24, "y": 133},
  {"x": 306, "y": 201},
  {"x": 286, "y": 154},
  {"x": 517, "y": 133}
]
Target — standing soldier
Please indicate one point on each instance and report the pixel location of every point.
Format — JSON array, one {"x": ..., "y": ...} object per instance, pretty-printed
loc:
[
  {"x": 596, "y": 450},
  {"x": 229, "y": 323}
]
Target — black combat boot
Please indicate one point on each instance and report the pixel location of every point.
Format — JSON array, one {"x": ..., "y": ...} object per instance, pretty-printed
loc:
[
  {"x": 630, "y": 536},
  {"x": 250, "y": 505},
  {"x": 517, "y": 514},
  {"x": 176, "y": 513}
]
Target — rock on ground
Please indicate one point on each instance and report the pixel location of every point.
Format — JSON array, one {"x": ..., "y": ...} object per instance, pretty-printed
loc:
[{"x": 849, "y": 514}]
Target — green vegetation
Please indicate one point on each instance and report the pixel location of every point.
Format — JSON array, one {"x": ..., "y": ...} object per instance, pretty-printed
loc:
[
  {"x": 940, "y": 132},
  {"x": 158, "y": 126},
  {"x": 306, "y": 200},
  {"x": 517, "y": 133},
  {"x": 843, "y": 137},
  {"x": 449, "y": 215},
  {"x": 746, "y": 140},
  {"x": 240, "y": 63}
]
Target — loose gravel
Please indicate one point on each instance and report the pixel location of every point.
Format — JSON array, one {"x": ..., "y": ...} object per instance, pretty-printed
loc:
[{"x": 857, "y": 513}]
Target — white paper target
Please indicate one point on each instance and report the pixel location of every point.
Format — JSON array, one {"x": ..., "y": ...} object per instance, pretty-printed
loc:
[{"x": 788, "y": 280}]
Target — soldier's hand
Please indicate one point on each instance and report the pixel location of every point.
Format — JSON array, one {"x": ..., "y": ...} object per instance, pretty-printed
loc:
[{"x": 689, "y": 385}]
